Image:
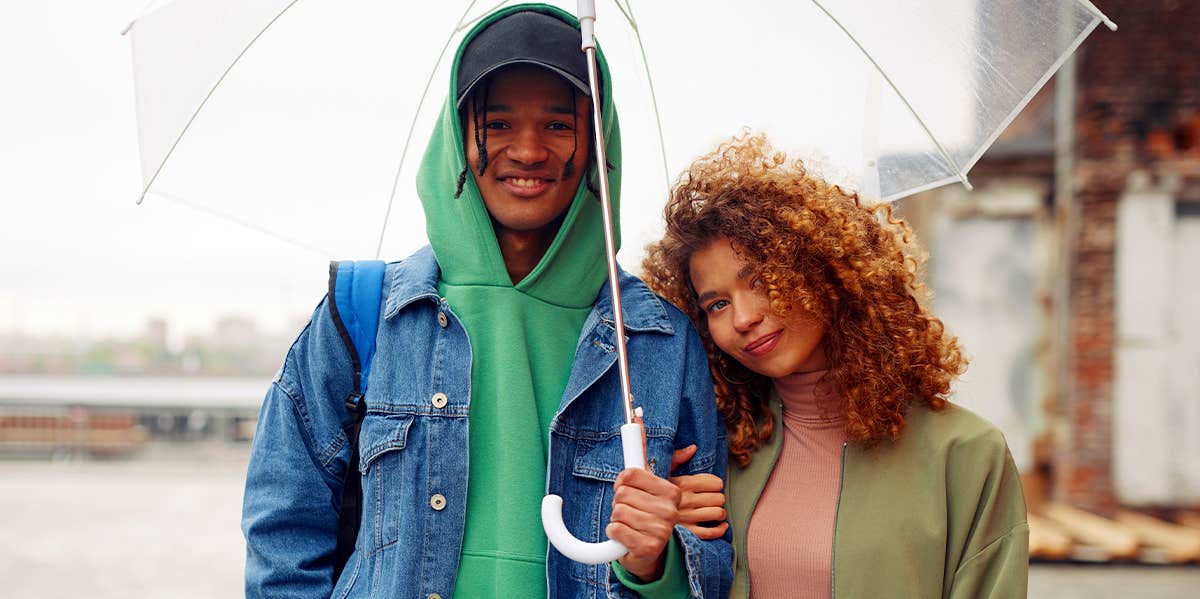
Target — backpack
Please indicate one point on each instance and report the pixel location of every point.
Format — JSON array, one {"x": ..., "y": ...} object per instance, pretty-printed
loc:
[{"x": 355, "y": 290}]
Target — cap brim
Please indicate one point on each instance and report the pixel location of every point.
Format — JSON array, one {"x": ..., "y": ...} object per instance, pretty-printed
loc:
[{"x": 582, "y": 86}]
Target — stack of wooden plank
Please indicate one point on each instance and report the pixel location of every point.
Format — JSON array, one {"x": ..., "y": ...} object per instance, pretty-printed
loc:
[{"x": 1061, "y": 532}]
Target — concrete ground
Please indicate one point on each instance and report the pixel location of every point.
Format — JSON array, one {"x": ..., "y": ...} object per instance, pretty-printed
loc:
[{"x": 166, "y": 525}]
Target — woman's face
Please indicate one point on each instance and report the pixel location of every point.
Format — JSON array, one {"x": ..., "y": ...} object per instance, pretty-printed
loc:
[{"x": 741, "y": 321}]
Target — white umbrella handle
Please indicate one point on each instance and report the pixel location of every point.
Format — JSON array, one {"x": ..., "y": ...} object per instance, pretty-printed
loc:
[{"x": 562, "y": 539}]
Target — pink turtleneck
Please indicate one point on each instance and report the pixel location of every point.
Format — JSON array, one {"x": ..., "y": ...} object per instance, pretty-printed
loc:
[{"x": 790, "y": 537}]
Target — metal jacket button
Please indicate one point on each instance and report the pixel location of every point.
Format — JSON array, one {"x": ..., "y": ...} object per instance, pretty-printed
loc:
[
  {"x": 437, "y": 502},
  {"x": 442, "y": 320},
  {"x": 439, "y": 400}
]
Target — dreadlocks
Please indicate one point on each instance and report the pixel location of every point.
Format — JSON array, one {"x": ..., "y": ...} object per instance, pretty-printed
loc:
[
  {"x": 479, "y": 119},
  {"x": 479, "y": 104},
  {"x": 569, "y": 167}
]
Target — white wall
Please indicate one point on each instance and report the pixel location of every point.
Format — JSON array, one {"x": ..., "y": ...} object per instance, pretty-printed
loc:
[
  {"x": 1156, "y": 420},
  {"x": 985, "y": 263}
]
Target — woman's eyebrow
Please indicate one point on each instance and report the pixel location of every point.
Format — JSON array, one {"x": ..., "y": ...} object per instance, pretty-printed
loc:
[{"x": 742, "y": 273}]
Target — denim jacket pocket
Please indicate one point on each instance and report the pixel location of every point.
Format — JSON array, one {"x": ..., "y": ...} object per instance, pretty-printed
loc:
[
  {"x": 604, "y": 460},
  {"x": 599, "y": 461},
  {"x": 381, "y": 433},
  {"x": 381, "y": 465}
]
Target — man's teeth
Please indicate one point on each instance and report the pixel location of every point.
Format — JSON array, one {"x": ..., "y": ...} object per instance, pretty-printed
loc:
[{"x": 524, "y": 182}]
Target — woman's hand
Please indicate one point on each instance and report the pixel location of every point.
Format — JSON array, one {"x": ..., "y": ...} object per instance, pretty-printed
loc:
[
  {"x": 645, "y": 509},
  {"x": 701, "y": 501}
]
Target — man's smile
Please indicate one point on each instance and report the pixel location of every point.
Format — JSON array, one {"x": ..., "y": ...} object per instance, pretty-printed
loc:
[{"x": 526, "y": 186}]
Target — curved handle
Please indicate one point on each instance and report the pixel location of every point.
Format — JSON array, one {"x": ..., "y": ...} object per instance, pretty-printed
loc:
[
  {"x": 562, "y": 539},
  {"x": 566, "y": 543}
]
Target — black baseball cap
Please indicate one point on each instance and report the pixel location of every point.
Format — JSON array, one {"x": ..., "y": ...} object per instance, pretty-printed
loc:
[{"x": 524, "y": 37}]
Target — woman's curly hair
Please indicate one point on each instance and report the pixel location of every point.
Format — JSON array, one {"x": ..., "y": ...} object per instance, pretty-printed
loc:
[{"x": 817, "y": 248}]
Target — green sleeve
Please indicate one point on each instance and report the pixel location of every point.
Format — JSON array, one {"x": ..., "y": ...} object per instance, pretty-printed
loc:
[
  {"x": 995, "y": 558},
  {"x": 998, "y": 571},
  {"x": 671, "y": 585}
]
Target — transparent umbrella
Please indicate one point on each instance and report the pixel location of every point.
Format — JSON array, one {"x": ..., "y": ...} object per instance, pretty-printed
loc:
[
  {"x": 896, "y": 97},
  {"x": 304, "y": 119}
]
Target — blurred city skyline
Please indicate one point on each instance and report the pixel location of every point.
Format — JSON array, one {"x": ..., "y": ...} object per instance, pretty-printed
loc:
[{"x": 234, "y": 345}]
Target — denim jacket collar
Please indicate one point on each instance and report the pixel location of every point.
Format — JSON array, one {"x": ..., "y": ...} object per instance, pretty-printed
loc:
[{"x": 416, "y": 278}]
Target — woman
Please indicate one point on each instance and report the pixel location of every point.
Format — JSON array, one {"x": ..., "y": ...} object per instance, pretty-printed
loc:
[{"x": 853, "y": 475}]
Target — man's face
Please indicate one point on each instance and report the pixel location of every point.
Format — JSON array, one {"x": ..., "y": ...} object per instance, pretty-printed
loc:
[{"x": 532, "y": 131}]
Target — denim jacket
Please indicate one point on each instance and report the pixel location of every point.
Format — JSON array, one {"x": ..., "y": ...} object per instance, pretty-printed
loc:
[{"x": 413, "y": 447}]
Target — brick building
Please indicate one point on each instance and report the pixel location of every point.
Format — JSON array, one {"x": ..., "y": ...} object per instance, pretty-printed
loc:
[
  {"x": 1090, "y": 361},
  {"x": 1137, "y": 105}
]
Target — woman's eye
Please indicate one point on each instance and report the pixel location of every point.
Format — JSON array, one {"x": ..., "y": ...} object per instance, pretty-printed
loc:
[{"x": 717, "y": 305}]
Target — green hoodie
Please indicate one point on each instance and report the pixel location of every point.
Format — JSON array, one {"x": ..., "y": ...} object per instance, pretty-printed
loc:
[{"x": 523, "y": 340}]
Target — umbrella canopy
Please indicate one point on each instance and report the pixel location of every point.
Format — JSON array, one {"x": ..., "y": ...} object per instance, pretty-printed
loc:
[{"x": 302, "y": 119}]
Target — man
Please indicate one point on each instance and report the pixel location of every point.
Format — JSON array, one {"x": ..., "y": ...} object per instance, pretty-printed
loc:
[{"x": 494, "y": 378}]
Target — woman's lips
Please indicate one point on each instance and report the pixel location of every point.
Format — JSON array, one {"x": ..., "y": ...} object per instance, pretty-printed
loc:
[{"x": 763, "y": 345}]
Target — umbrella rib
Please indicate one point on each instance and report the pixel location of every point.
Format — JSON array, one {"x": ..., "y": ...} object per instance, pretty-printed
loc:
[
  {"x": 662, "y": 144},
  {"x": 200, "y": 107},
  {"x": 1066, "y": 55},
  {"x": 242, "y": 222},
  {"x": 628, "y": 14},
  {"x": 412, "y": 127},
  {"x": 141, "y": 14},
  {"x": 962, "y": 177},
  {"x": 1099, "y": 15},
  {"x": 464, "y": 24}
]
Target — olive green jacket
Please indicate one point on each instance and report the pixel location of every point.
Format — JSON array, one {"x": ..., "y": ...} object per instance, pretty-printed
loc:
[{"x": 939, "y": 513}]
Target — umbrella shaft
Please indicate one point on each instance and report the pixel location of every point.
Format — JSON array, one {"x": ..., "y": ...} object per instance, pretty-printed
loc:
[{"x": 610, "y": 246}]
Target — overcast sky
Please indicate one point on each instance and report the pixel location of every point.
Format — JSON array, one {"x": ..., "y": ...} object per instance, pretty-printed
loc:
[{"x": 303, "y": 140}]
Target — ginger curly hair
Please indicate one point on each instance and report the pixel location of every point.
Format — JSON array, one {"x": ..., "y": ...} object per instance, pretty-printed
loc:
[{"x": 819, "y": 248}]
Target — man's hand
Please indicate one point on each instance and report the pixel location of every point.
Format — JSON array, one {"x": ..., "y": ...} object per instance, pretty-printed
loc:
[
  {"x": 645, "y": 509},
  {"x": 701, "y": 500}
]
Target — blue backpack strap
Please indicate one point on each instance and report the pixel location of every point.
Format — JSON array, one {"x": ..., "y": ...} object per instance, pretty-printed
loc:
[{"x": 355, "y": 290}]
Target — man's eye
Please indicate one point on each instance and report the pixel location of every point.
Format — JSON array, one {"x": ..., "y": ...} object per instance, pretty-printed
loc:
[
  {"x": 496, "y": 125},
  {"x": 558, "y": 127}
]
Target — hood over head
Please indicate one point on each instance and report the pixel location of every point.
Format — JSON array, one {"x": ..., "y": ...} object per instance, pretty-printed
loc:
[{"x": 460, "y": 229}]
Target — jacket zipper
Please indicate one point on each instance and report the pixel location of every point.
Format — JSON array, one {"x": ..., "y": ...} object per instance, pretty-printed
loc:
[{"x": 836, "y": 514}]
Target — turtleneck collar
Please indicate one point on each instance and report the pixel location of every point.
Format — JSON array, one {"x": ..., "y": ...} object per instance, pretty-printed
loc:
[{"x": 808, "y": 400}]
